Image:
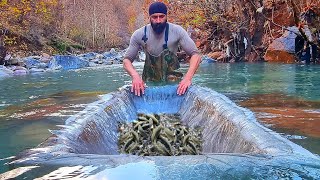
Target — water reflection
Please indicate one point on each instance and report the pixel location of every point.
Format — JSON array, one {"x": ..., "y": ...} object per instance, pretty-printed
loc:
[
  {"x": 261, "y": 78},
  {"x": 289, "y": 115},
  {"x": 307, "y": 81}
]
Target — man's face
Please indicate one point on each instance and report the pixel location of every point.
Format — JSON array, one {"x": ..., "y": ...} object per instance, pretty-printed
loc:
[{"x": 158, "y": 22}]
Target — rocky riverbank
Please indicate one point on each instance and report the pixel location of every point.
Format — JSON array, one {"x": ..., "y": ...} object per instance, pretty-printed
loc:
[{"x": 46, "y": 63}]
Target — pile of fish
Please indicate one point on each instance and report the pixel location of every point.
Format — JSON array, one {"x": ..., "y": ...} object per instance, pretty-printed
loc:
[{"x": 150, "y": 136}]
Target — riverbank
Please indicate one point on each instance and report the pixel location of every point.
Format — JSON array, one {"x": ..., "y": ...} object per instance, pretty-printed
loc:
[{"x": 47, "y": 63}]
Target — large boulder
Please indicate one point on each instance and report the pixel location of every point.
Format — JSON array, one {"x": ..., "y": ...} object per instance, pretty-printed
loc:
[
  {"x": 67, "y": 62},
  {"x": 34, "y": 62},
  {"x": 283, "y": 49}
]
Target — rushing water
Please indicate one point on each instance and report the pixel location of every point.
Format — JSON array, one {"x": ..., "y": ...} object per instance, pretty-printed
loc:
[{"x": 284, "y": 97}]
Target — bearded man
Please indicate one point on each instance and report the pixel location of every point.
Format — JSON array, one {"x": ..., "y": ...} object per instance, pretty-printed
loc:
[{"x": 159, "y": 40}]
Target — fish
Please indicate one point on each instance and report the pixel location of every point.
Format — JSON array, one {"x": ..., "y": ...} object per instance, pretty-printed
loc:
[
  {"x": 166, "y": 143},
  {"x": 154, "y": 119},
  {"x": 135, "y": 135},
  {"x": 155, "y": 133},
  {"x": 160, "y": 148},
  {"x": 148, "y": 136}
]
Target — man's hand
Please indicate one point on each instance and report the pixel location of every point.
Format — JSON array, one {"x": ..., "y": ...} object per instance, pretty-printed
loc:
[
  {"x": 138, "y": 85},
  {"x": 183, "y": 86},
  {"x": 186, "y": 81}
]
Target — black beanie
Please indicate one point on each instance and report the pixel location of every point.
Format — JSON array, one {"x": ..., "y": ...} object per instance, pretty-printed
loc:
[{"x": 157, "y": 7}]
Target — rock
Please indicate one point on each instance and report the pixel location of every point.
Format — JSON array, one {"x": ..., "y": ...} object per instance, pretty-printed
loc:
[
  {"x": 67, "y": 62},
  {"x": 45, "y": 58},
  {"x": 207, "y": 60},
  {"x": 107, "y": 55},
  {"x": 279, "y": 13},
  {"x": 36, "y": 70},
  {"x": 42, "y": 65},
  {"x": 20, "y": 71},
  {"x": 113, "y": 51},
  {"x": 89, "y": 56},
  {"x": 4, "y": 72},
  {"x": 116, "y": 62},
  {"x": 7, "y": 57},
  {"x": 95, "y": 60},
  {"x": 273, "y": 55},
  {"x": 19, "y": 68},
  {"x": 112, "y": 54},
  {"x": 282, "y": 49},
  {"x": 92, "y": 64},
  {"x": 31, "y": 62},
  {"x": 215, "y": 55},
  {"x": 99, "y": 56},
  {"x": 222, "y": 57},
  {"x": 252, "y": 56},
  {"x": 14, "y": 60},
  {"x": 34, "y": 62},
  {"x": 108, "y": 62}
]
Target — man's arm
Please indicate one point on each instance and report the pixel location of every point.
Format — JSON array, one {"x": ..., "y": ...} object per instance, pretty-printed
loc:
[
  {"x": 186, "y": 81},
  {"x": 190, "y": 48},
  {"x": 137, "y": 83}
]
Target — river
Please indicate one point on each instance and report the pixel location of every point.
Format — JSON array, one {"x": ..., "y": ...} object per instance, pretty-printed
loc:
[{"x": 284, "y": 98}]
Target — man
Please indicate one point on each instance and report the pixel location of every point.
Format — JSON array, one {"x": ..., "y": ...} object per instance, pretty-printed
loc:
[{"x": 160, "y": 40}]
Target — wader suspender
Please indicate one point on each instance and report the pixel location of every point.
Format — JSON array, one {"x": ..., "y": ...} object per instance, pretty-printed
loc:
[
  {"x": 162, "y": 67},
  {"x": 144, "y": 38},
  {"x": 166, "y": 36}
]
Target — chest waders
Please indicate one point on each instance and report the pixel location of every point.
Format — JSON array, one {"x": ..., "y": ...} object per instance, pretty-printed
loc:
[{"x": 162, "y": 67}]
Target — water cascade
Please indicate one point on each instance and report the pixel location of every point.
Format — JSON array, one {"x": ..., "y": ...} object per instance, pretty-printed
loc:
[{"x": 231, "y": 135}]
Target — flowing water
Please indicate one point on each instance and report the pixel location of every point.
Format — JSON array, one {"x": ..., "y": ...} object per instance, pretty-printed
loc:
[{"x": 284, "y": 98}]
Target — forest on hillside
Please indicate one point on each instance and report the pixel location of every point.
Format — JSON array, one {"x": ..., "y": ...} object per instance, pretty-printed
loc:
[{"x": 224, "y": 29}]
